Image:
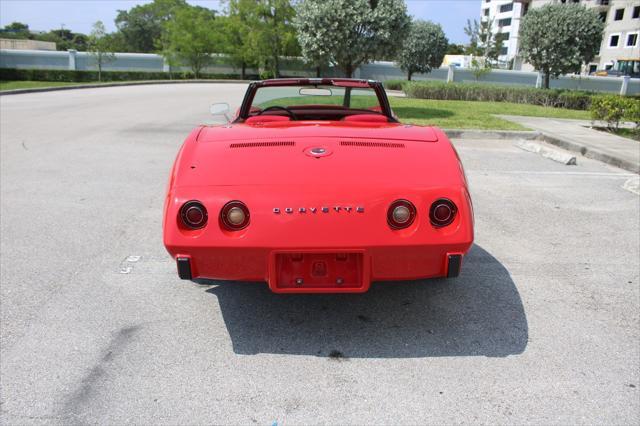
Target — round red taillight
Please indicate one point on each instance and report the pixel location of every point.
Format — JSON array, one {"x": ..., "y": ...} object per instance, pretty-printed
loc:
[
  {"x": 442, "y": 212},
  {"x": 401, "y": 214},
  {"x": 234, "y": 216},
  {"x": 193, "y": 214}
]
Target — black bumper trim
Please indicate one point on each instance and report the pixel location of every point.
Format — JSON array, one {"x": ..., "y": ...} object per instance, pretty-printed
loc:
[
  {"x": 455, "y": 263},
  {"x": 184, "y": 268}
]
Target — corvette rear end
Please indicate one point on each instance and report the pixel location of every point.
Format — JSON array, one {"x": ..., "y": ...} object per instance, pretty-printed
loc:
[{"x": 317, "y": 205}]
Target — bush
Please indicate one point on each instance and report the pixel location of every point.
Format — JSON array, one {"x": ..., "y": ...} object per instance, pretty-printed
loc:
[
  {"x": 570, "y": 99},
  {"x": 92, "y": 76},
  {"x": 632, "y": 113},
  {"x": 613, "y": 108},
  {"x": 394, "y": 84}
]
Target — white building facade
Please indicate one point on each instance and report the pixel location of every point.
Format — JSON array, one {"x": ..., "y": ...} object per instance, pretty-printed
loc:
[
  {"x": 621, "y": 40},
  {"x": 505, "y": 16}
]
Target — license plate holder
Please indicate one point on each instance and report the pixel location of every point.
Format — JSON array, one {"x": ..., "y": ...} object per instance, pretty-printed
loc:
[{"x": 319, "y": 271}]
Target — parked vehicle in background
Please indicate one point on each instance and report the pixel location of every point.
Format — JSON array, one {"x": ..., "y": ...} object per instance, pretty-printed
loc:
[{"x": 630, "y": 67}]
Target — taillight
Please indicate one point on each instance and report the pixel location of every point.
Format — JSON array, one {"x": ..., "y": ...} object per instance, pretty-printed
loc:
[
  {"x": 234, "y": 216},
  {"x": 193, "y": 214},
  {"x": 442, "y": 212},
  {"x": 401, "y": 214}
]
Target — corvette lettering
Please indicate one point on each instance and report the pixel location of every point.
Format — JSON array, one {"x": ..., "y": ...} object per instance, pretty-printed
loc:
[{"x": 324, "y": 209}]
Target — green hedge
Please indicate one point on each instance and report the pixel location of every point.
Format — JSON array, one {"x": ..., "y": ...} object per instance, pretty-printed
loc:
[
  {"x": 92, "y": 76},
  {"x": 571, "y": 99},
  {"x": 394, "y": 84}
]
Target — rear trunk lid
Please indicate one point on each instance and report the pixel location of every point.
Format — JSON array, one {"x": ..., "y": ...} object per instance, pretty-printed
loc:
[{"x": 302, "y": 156}]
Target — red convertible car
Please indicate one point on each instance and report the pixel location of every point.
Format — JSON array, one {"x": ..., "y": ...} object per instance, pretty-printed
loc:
[{"x": 315, "y": 186}]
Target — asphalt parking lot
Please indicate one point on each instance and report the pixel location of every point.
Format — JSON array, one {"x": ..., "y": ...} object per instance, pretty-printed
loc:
[{"x": 541, "y": 327}]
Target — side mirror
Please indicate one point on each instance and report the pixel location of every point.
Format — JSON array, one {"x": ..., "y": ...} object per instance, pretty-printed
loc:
[{"x": 221, "y": 108}]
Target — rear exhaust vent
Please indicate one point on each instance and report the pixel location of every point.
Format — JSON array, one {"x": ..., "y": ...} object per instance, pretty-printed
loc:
[
  {"x": 367, "y": 144},
  {"x": 262, "y": 144}
]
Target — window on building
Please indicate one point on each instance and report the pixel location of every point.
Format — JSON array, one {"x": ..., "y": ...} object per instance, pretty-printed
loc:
[
  {"x": 632, "y": 39},
  {"x": 613, "y": 40},
  {"x": 603, "y": 16},
  {"x": 486, "y": 12},
  {"x": 506, "y": 7},
  {"x": 504, "y": 50},
  {"x": 504, "y": 22},
  {"x": 593, "y": 68},
  {"x": 619, "y": 15},
  {"x": 636, "y": 12}
]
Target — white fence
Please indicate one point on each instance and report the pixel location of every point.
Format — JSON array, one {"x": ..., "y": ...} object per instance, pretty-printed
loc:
[
  {"x": 144, "y": 62},
  {"x": 38, "y": 59},
  {"x": 388, "y": 70}
]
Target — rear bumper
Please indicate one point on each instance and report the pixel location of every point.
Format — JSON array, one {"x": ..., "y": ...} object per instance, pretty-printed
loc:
[
  {"x": 278, "y": 227},
  {"x": 339, "y": 270}
]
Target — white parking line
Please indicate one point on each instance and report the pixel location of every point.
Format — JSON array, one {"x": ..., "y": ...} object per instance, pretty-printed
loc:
[{"x": 537, "y": 172}]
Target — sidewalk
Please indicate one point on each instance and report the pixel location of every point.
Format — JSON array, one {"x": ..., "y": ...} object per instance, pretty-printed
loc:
[{"x": 572, "y": 135}]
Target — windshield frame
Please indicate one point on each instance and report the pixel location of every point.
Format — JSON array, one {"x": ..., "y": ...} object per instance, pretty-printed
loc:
[{"x": 377, "y": 86}]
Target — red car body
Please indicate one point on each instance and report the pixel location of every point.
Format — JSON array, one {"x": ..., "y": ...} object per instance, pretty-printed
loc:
[{"x": 316, "y": 197}]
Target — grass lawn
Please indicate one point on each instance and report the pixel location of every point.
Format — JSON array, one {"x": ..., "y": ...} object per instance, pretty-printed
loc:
[
  {"x": 11, "y": 85},
  {"x": 624, "y": 132},
  {"x": 473, "y": 115},
  {"x": 445, "y": 114}
]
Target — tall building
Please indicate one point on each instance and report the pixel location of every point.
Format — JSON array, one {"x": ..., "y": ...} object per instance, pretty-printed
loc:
[
  {"x": 621, "y": 39},
  {"x": 505, "y": 16},
  {"x": 622, "y": 34}
]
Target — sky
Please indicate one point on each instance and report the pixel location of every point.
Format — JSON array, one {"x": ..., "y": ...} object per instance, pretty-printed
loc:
[{"x": 79, "y": 15}]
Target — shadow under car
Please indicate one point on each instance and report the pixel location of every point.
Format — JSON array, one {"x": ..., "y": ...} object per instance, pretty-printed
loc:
[{"x": 478, "y": 314}]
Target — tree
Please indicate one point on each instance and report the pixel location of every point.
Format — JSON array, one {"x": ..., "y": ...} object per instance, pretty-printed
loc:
[
  {"x": 472, "y": 29},
  {"x": 423, "y": 49},
  {"x": 557, "y": 39},
  {"x": 261, "y": 32},
  {"x": 16, "y": 30},
  {"x": 192, "y": 37},
  {"x": 479, "y": 67},
  {"x": 350, "y": 33},
  {"x": 65, "y": 39},
  {"x": 483, "y": 41},
  {"x": 99, "y": 47},
  {"x": 235, "y": 33},
  {"x": 455, "y": 49},
  {"x": 142, "y": 26}
]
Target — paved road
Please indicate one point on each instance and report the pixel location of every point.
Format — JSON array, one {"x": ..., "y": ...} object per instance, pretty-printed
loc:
[{"x": 542, "y": 326}]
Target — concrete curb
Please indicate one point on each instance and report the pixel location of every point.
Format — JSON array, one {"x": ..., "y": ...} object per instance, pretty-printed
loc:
[
  {"x": 114, "y": 84},
  {"x": 557, "y": 155},
  {"x": 591, "y": 153},
  {"x": 491, "y": 134}
]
